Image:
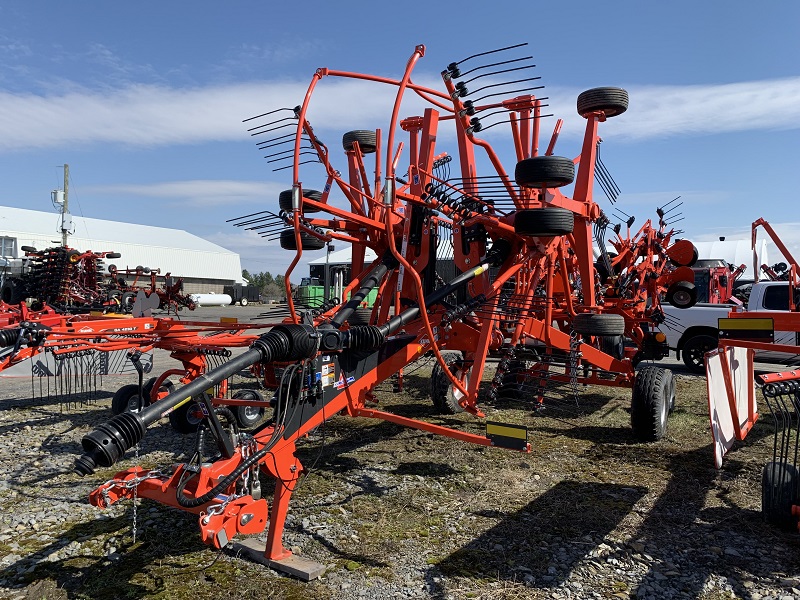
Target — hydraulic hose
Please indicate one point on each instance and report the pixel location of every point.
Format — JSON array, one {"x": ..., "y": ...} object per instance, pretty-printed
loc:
[
  {"x": 223, "y": 484},
  {"x": 108, "y": 443},
  {"x": 370, "y": 282}
]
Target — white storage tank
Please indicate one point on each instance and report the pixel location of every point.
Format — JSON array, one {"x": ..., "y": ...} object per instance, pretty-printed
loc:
[{"x": 211, "y": 299}]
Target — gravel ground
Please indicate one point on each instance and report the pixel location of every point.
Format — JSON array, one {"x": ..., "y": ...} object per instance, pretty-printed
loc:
[{"x": 395, "y": 513}]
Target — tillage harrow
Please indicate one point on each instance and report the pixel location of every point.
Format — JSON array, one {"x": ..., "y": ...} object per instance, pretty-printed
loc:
[
  {"x": 528, "y": 292},
  {"x": 72, "y": 281}
]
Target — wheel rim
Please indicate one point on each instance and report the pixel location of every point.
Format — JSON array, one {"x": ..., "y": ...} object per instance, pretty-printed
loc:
[
  {"x": 194, "y": 415},
  {"x": 251, "y": 413},
  {"x": 682, "y": 298},
  {"x": 134, "y": 405},
  {"x": 696, "y": 356},
  {"x": 453, "y": 393}
]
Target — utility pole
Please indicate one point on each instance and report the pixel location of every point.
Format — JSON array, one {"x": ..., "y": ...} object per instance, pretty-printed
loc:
[{"x": 66, "y": 221}]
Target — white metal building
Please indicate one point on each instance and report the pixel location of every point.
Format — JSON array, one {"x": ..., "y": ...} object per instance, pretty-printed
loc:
[{"x": 204, "y": 266}]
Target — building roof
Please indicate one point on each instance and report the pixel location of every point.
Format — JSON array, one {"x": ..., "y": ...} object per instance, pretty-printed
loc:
[
  {"x": 171, "y": 250},
  {"x": 343, "y": 257}
]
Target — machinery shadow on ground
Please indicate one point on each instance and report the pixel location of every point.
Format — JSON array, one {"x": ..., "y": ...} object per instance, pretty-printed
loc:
[
  {"x": 89, "y": 574},
  {"x": 547, "y": 538}
]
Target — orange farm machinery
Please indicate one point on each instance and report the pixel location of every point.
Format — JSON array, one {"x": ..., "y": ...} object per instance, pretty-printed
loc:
[
  {"x": 525, "y": 293},
  {"x": 733, "y": 389}
]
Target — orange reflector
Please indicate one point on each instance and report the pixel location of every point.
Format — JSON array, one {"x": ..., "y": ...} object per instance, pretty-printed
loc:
[
  {"x": 661, "y": 337},
  {"x": 228, "y": 320}
]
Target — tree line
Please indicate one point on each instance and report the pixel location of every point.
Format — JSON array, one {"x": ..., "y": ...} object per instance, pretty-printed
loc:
[{"x": 271, "y": 288}]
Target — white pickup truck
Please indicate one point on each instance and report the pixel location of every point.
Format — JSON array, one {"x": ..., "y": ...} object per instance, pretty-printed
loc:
[{"x": 691, "y": 332}]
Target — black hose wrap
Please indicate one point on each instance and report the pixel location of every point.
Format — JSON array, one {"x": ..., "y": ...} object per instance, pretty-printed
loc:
[
  {"x": 109, "y": 442},
  {"x": 9, "y": 337},
  {"x": 365, "y": 337},
  {"x": 372, "y": 280}
]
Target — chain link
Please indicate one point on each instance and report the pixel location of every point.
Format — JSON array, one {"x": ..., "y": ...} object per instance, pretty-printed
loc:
[
  {"x": 218, "y": 509},
  {"x": 135, "y": 494},
  {"x": 574, "y": 356}
]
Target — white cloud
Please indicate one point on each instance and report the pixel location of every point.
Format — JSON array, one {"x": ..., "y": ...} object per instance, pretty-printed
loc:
[
  {"x": 202, "y": 191},
  {"x": 671, "y": 111},
  {"x": 148, "y": 115}
]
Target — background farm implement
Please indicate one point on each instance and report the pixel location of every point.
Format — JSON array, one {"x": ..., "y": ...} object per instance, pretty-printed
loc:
[
  {"x": 526, "y": 290},
  {"x": 71, "y": 282},
  {"x": 733, "y": 389},
  {"x": 83, "y": 348}
]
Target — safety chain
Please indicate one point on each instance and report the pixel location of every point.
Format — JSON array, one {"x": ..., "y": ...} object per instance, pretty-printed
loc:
[
  {"x": 218, "y": 509},
  {"x": 249, "y": 482},
  {"x": 135, "y": 490},
  {"x": 132, "y": 483},
  {"x": 574, "y": 355},
  {"x": 509, "y": 354}
]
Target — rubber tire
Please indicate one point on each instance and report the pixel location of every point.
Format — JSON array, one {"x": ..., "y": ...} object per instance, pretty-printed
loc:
[
  {"x": 542, "y": 172},
  {"x": 682, "y": 294},
  {"x": 112, "y": 268},
  {"x": 599, "y": 324},
  {"x": 613, "y": 345},
  {"x": 367, "y": 140},
  {"x": 147, "y": 388},
  {"x": 248, "y": 416},
  {"x": 360, "y": 316},
  {"x": 650, "y": 403},
  {"x": 243, "y": 302},
  {"x": 185, "y": 419},
  {"x": 127, "y": 300},
  {"x": 611, "y": 101},
  {"x": 27, "y": 248},
  {"x": 602, "y": 273},
  {"x": 124, "y": 397},
  {"x": 442, "y": 387},
  {"x": 544, "y": 222},
  {"x": 671, "y": 392},
  {"x": 12, "y": 292},
  {"x": 113, "y": 255},
  {"x": 308, "y": 241},
  {"x": 285, "y": 200},
  {"x": 72, "y": 256},
  {"x": 510, "y": 382},
  {"x": 693, "y": 352},
  {"x": 779, "y": 491}
]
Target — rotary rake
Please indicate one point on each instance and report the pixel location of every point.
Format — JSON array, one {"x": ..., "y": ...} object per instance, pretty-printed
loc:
[
  {"x": 525, "y": 290},
  {"x": 78, "y": 350}
]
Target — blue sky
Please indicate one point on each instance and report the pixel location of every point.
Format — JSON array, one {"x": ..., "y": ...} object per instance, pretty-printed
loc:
[{"x": 145, "y": 101}]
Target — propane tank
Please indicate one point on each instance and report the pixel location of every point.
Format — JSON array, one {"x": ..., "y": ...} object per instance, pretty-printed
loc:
[{"x": 211, "y": 299}]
